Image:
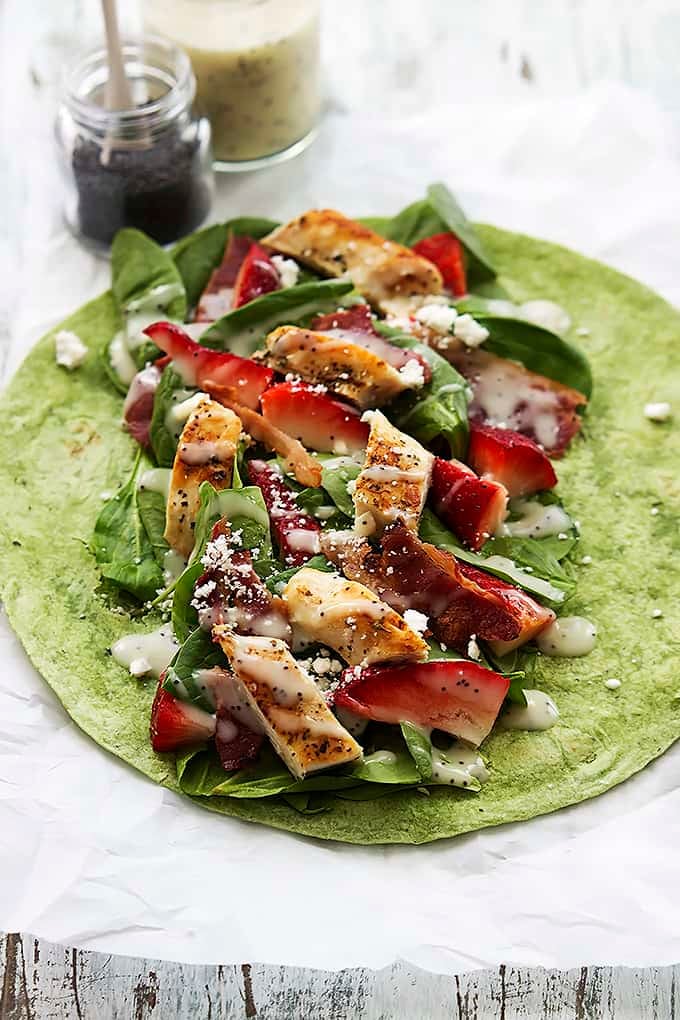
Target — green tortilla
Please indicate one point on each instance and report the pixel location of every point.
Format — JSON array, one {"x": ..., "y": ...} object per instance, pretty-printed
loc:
[{"x": 62, "y": 447}]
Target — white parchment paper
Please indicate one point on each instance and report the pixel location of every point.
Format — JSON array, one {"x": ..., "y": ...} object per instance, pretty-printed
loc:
[{"x": 93, "y": 855}]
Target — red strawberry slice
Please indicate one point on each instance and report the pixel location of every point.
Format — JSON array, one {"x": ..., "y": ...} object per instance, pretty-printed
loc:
[
  {"x": 138, "y": 406},
  {"x": 295, "y": 532},
  {"x": 177, "y": 723},
  {"x": 196, "y": 364},
  {"x": 356, "y": 326},
  {"x": 257, "y": 276},
  {"x": 320, "y": 421},
  {"x": 505, "y": 393},
  {"x": 357, "y": 319},
  {"x": 511, "y": 459},
  {"x": 456, "y": 696},
  {"x": 472, "y": 507},
  {"x": 217, "y": 298},
  {"x": 446, "y": 252}
]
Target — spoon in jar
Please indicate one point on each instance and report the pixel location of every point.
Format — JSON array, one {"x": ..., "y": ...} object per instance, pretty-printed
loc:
[{"x": 118, "y": 94}]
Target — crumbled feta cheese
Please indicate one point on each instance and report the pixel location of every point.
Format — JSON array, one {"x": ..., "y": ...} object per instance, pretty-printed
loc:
[
  {"x": 438, "y": 318},
  {"x": 547, "y": 314},
  {"x": 288, "y": 270},
  {"x": 201, "y": 594},
  {"x": 658, "y": 412},
  {"x": 416, "y": 621},
  {"x": 562, "y": 535},
  {"x": 496, "y": 306},
  {"x": 469, "y": 331},
  {"x": 70, "y": 351},
  {"x": 473, "y": 648},
  {"x": 654, "y": 511},
  {"x": 657, "y": 614},
  {"x": 612, "y": 683},
  {"x": 412, "y": 373},
  {"x": 402, "y": 322},
  {"x": 583, "y": 331},
  {"x": 586, "y": 560},
  {"x": 140, "y": 667}
]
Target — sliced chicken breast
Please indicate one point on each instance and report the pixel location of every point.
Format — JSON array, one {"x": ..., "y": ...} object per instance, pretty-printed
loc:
[
  {"x": 287, "y": 703},
  {"x": 205, "y": 453},
  {"x": 349, "y": 618},
  {"x": 333, "y": 244}
]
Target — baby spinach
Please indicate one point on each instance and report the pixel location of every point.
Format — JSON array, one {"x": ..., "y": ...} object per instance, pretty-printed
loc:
[
  {"x": 446, "y": 206},
  {"x": 198, "y": 652},
  {"x": 197, "y": 256},
  {"x": 390, "y": 765},
  {"x": 138, "y": 265},
  {"x": 419, "y": 747},
  {"x": 336, "y": 474},
  {"x": 242, "y": 330},
  {"x": 121, "y": 545},
  {"x": 243, "y": 508},
  {"x": 313, "y": 500},
  {"x": 436, "y": 413},
  {"x": 538, "y": 349},
  {"x": 184, "y": 616},
  {"x": 276, "y": 576},
  {"x": 163, "y": 438},
  {"x": 412, "y": 224},
  {"x": 152, "y": 507}
]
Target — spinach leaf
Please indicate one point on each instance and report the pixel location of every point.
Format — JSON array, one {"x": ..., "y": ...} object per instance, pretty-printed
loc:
[
  {"x": 152, "y": 507},
  {"x": 277, "y": 577},
  {"x": 121, "y": 545},
  {"x": 184, "y": 616},
  {"x": 409, "y": 226},
  {"x": 242, "y": 330},
  {"x": 420, "y": 748},
  {"x": 387, "y": 766},
  {"x": 182, "y": 679},
  {"x": 316, "y": 500},
  {"x": 139, "y": 266},
  {"x": 197, "y": 255},
  {"x": 436, "y": 413},
  {"x": 445, "y": 205},
  {"x": 538, "y": 349},
  {"x": 336, "y": 474},
  {"x": 171, "y": 390},
  {"x": 246, "y": 512},
  {"x": 542, "y": 588}
]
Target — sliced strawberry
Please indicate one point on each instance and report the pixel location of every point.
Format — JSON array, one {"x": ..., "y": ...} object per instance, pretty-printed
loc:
[
  {"x": 473, "y": 508},
  {"x": 138, "y": 406},
  {"x": 196, "y": 364},
  {"x": 505, "y": 393},
  {"x": 177, "y": 723},
  {"x": 217, "y": 298},
  {"x": 357, "y": 319},
  {"x": 356, "y": 326},
  {"x": 446, "y": 252},
  {"x": 233, "y": 593},
  {"x": 318, "y": 420},
  {"x": 296, "y": 533},
  {"x": 257, "y": 276},
  {"x": 458, "y": 600},
  {"x": 510, "y": 458},
  {"x": 456, "y": 696}
]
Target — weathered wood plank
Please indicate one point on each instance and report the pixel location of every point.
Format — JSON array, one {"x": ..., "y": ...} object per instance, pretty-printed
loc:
[{"x": 41, "y": 981}]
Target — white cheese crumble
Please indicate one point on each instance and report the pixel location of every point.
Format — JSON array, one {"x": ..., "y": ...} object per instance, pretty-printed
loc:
[
  {"x": 70, "y": 351},
  {"x": 660, "y": 411},
  {"x": 412, "y": 373},
  {"x": 586, "y": 560},
  {"x": 473, "y": 648},
  {"x": 657, "y": 614},
  {"x": 416, "y": 621},
  {"x": 287, "y": 269},
  {"x": 612, "y": 683},
  {"x": 469, "y": 331},
  {"x": 547, "y": 314},
  {"x": 439, "y": 318},
  {"x": 654, "y": 511}
]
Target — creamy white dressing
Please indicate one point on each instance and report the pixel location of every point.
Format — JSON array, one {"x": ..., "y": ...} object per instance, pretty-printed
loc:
[
  {"x": 516, "y": 574},
  {"x": 535, "y": 520},
  {"x": 157, "y": 649},
  {"x": 121, "y": 360},
  {"x": 539, "y": 713},
  {"x": 509, "y": 400},
  {"x": 380, "y": 758},
  {"x": 568, "y": 637},
  {"x": 354, "y": 724},
  {"x": 220, "y": 687},
  {"x": 185, "y": 402},
  {"x": 155, "y": 480},
  {"x": 207, "y": 451},
  {"x": 458, "y": 765},
  {"x": 226, "y": 729},
  {"x": 173, "y": 565},
  {"x": 146, "y": 310},
  {"x": 303, "y": 540},
  {"x": 392, "y": 473},
  {"x": 353, "y": 608}
]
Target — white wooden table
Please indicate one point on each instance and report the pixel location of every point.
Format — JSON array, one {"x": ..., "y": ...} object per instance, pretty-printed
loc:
[{"x": 389, "y": 57}]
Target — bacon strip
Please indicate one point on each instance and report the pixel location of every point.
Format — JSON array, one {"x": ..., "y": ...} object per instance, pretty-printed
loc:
[{"x": 306, "y": 468}]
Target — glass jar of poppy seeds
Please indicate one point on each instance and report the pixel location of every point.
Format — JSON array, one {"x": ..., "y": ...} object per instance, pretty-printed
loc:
[{"x": 148, "y": 167}]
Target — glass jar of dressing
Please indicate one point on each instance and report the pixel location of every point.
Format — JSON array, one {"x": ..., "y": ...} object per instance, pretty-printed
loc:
[
  {"x": 257, "y": 71},
  {"x": 148, "y": 167}
]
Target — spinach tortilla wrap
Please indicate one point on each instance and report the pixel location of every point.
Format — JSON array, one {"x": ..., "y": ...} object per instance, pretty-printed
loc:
[{"x": 63, "y": 447}]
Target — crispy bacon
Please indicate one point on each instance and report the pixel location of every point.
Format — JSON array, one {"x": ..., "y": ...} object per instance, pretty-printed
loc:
[
  {"x": 138, "y": 406},
  {"x": 507, "y": 394},
  {"x": 306, "y": 468},
  {"x": 217, "y": 298}
]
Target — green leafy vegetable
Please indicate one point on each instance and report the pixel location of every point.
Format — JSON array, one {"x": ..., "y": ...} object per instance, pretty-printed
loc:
[
  {"x": 171, "y": 390},
  {"x": 198, "y": 652},
  {"x": 316, "y": 500},
  {"x": 184, "y": 616},
  {"x": 436, "y": 413},
  {"x": 121, "y": 545},
  {"x": 419, "y": 747},
  {"x": 243, "y": 508},
  {"x": 387, "y": 766},
  {"x": 197, "y": 256},
  {"x": 336, "y": 474},
  {"x": 412, "y": 224},
  {"x": 445, "y": 205},
  {"x": 275, "y": 576},
  {"x": 243, "y": 330},
  {"x": 152, "y": 506}
]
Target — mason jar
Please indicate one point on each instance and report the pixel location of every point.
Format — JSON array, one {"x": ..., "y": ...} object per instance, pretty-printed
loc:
[
  {"x": 257, "y": 71},
  {"x": 148, "y": 167}
]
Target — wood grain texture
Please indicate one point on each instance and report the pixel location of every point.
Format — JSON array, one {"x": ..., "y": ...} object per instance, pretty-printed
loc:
[{"x": 41, "y": 981}]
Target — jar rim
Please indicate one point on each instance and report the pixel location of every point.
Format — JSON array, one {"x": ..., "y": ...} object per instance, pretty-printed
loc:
[{"x": 149, "y": 51}]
